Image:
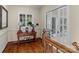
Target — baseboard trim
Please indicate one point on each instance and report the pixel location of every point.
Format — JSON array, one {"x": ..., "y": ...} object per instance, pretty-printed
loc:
[{"x": 5, "y": 48}]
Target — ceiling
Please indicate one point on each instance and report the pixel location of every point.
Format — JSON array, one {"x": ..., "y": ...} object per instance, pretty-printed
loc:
[{"x": 34, "y": 6}]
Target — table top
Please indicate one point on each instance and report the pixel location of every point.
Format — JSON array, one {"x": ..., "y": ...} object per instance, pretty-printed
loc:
[{"x": 26, "y": 33}]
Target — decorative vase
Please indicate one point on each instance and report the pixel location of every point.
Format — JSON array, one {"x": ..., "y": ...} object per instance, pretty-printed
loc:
[{"x": 23, "y": 29}]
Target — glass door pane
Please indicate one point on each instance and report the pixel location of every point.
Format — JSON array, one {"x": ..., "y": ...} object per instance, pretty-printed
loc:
[
  {"x": 52, "y": 23},
  {"x": 49, "y": 23}
]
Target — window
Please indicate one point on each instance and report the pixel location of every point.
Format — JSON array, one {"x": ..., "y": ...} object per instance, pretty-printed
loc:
[
  {"x": 24, "y": 19},
  {"x": 29, "y": 18},
  {"x": 53, "y": 25}
]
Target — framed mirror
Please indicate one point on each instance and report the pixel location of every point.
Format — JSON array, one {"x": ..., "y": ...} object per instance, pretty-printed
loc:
[{"x": 3, "y": 17}]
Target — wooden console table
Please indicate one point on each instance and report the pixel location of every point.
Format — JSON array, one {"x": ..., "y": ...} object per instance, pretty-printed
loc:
[{"x": 21, "y": 34}]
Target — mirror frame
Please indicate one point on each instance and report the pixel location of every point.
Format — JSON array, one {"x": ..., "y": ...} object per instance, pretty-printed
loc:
[{"x": 2, "y": 7}]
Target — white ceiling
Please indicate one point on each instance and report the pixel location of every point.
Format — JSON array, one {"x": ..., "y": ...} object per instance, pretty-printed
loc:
[{"x": 35, "y": 6}]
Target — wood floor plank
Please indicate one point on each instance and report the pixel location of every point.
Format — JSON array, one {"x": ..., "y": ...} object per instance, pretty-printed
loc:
[{"x": 31, "y": 47}]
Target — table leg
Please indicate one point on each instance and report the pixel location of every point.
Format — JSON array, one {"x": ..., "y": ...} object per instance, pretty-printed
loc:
[
  {"x": 35, "y": 37},
  {"x": 17, "y": 44}
]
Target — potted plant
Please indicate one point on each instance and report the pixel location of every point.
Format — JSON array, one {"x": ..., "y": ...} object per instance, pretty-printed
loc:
[{"x": 32, "y": 25}]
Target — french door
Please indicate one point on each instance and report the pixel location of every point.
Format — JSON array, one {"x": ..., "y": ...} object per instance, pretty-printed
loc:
[{"x": 57, "y": 23}]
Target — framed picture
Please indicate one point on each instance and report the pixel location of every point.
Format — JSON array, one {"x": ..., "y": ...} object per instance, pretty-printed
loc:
[{"x": 3, "y": 17}]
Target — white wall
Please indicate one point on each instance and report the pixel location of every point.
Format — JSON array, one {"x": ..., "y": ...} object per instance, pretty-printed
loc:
[
  {"x": 74, "y": 22},
  {"x": 13, "y": 19},
  {"x": 3, "y": 37}
]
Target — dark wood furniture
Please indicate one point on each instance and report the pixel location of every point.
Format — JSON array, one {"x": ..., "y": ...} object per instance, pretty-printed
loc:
[{"x": 21, "y": 34}]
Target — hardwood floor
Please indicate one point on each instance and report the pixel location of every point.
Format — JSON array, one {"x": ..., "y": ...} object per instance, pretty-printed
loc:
[{"x": 30, "y": 47}]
